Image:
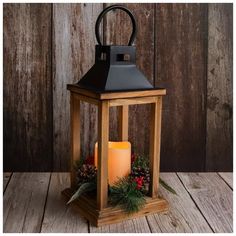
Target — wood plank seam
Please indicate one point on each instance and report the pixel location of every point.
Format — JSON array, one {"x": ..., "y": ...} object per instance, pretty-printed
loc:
[
  {"x": 8, "y": 181},
  {"x": 51, "y": 78},
  {"x": 224, "y": 181},
  {"x": 195, "y": 203},
  {"x": 183, "y": 216},
  {"x": 22, "y": 228},
  {"x": 23, "y": 202},
  {"x": 60, "y": 217},
  {"x": 146, "y": 217},
  {"x": 88, "y": 224},
  {"x": 154, "y": 46},
  {"x": 45, "y": 204}
]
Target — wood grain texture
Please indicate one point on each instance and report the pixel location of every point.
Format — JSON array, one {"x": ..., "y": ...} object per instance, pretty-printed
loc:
[
  {"x": 213, "y": 197},
  {"x": 219, "y": 146},
  {"x": 183, "y": 215},
  {"x": 180, "y": 59},
  {"x": 87, "y": 206},
  {"x": 23, "y": 202},
  {"x": 75, "y": 136},
  {"x": 155, "y": 145},
  {"x": 115, "y": 95},
  {"x": 59, "y": 217},
  {"x": 123, "y": 122},
  {"x": 6, "y": 179},
  {"x": 186, "y": 48},
  {"x": 26, "y": 191},
  {"x": 73, "y": 55},
  {"x": 228, "y": 178},
  {"x": 102, "y": 169},
  {"x": 27, "y": 89},
  {"x": 117, "y": 30},
  {"x": 138, "y": 225}
]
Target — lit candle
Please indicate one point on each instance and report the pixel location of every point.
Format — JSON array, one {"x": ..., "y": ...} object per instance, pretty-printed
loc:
[{"x": 119, "y": 160}]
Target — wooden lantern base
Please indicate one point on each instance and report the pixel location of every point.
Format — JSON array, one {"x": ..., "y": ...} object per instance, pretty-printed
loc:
[{"x": 86, "y": 206}]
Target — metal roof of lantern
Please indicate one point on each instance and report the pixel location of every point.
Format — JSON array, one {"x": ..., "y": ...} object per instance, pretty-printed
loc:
[{"x": 115, "y": 65}]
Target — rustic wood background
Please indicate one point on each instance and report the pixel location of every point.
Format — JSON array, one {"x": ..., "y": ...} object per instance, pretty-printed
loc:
[{"x": 186, "y": 48}]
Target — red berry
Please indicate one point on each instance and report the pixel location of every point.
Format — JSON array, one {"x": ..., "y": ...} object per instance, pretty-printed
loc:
[
  {"x": 133, "y": 157},
  {"x": 89, "y": 160}
]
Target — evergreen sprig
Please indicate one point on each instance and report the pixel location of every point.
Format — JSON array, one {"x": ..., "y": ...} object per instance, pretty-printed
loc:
[
  {"x": 83, "y": 188},
  {"x": 167, "y": 186},
  {"x": 125, "y": 193},
  {"x": 141, "y": 161}
]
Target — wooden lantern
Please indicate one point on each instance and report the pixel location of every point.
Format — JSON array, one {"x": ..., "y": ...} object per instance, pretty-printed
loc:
[
  {"x": 114, "y": 81},
  {"x": 97, "y": 210}
]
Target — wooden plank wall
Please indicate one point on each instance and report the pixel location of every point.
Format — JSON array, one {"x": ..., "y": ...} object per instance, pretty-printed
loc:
[
  {"x": 27, "y": 112},
  {"x": 186, "y": 48},
  {"x": 220, "y": 88},
  {"x": 181, "y": 54},
  {"x": 73, "y": 55}
]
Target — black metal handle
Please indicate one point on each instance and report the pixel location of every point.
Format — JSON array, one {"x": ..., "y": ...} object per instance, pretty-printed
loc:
[{"x": 105, "y": 11}]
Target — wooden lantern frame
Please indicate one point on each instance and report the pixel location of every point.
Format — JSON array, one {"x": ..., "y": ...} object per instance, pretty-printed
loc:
[{"x": 96, "y": 210}]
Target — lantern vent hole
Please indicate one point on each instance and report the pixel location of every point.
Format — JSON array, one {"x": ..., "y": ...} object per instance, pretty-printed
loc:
[
  {"x": 103, "y": 56},
  {"x": 123, "y": 57}
]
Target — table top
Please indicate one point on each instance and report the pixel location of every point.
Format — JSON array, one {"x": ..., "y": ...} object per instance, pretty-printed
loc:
[{"x": 33, "y": 203}]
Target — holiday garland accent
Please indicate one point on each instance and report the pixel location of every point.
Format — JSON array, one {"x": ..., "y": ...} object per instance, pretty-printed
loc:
[
  {"x": 128, "y": 192},
  {"x": 140, "y": 172}
]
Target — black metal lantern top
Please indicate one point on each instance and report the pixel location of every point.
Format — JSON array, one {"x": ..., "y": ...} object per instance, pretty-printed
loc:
[{"x": 115, "y": 68}]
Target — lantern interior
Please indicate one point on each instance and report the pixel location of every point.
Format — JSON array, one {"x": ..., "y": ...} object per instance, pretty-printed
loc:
[
  {"x": 96, "y": 208},
  {"x": 119, "y": 160}
]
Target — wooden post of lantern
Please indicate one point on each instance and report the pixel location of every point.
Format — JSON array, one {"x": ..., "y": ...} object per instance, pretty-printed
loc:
[
  {"x": 114, "y": 81},
  {"x": 97, "y": 210}
]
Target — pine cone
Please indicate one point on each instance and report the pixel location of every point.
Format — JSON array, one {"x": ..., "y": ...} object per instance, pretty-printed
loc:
[
  {"x": 141, "y": 172},
  {"x": 86, "y": 173}
]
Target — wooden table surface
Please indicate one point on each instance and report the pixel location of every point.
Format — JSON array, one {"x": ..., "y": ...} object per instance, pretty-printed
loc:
[{"x": 33, "y": 203}]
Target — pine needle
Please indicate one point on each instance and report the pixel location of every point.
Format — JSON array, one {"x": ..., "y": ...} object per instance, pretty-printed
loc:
[
  {"x": 166, "y": 186},
  {"x": 125, "y": 194},
  {"x": 86, "y": 187}
]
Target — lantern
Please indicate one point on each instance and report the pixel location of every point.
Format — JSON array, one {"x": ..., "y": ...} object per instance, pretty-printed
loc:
[{"x": 114, "y": 80}]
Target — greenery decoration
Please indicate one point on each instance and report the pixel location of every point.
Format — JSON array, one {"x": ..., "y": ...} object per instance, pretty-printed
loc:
[
  {"x": 126, "y": 193},
  {"x": 140, "y": 167},
  {"x": 83, "y": 188},
  {"x": 166, "y": 186},
  {"x": 86, "y": 175},
  {"x": 140, "y": 172}
]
